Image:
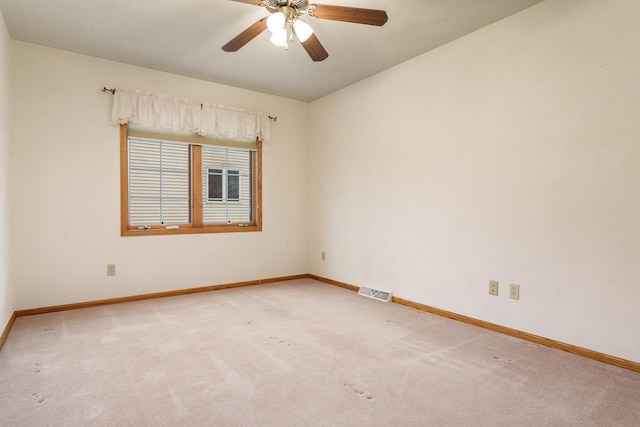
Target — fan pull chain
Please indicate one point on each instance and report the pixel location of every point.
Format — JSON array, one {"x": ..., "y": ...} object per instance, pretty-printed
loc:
[{"x": 289, "y": 37}]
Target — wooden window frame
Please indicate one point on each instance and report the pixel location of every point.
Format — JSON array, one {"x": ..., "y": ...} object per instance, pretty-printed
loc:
[{"x": 197, "y": 226}]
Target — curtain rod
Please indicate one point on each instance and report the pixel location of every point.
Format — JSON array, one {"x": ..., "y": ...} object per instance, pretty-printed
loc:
[{"x": 113, "y": 91}]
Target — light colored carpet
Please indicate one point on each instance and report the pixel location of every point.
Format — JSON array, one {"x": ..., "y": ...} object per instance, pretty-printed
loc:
[{"x": 298, "y": 353}]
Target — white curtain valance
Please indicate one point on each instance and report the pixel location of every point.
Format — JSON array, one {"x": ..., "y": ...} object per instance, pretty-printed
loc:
[{"x": 184, "y": 115}]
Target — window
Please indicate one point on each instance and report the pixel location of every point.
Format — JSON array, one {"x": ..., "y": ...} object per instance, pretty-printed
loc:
[
  {"x": 175, "y": 184},
  {"x": 224, "y": 185},
  {"x": 159, "y": 183},
  {"x": 227, "y": 193}
]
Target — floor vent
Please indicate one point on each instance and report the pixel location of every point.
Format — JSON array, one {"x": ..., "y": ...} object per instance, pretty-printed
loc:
[{"x": 375, "y": 294}]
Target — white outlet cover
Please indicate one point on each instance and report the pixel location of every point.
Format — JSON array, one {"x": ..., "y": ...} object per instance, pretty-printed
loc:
[
  {"x": 493, "y": 287},
  {"x": 514, "y": 291},
  {"x": 111, "y": 269}
]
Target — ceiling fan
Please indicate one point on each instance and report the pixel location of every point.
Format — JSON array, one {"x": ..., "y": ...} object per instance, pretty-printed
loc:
[{"x": 285, "y": 23}]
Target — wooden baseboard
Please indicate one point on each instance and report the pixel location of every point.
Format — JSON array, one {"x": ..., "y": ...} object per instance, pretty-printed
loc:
[
  {"x": 120, "y": 300},
  {"x": 580, "y": 351},
  {"x": 284, "y": 278},
  {"x": 333, "y": 282},
  {"x": 7, "y": 328}
]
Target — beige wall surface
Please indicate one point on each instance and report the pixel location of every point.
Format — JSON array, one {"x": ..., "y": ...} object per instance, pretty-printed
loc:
[
  {"x": 510, "y": 154},
  {"x": 66, "y": 203},
  {"x": 6, "y": 299}
]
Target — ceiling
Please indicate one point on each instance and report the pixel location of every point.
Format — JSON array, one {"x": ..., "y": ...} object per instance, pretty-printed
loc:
[{"x": 185, "y": 37}]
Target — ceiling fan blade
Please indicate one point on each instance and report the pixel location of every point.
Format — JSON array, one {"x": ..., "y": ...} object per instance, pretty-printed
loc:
[
  {"x": 246, "y": 36},
  {"x": 315, "y": 49},
  {"x": 350, "y": 14},
  {"x": 256, "y": 2}
]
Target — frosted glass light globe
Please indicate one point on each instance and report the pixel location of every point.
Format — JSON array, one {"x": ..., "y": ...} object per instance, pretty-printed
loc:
[
  {"x": 276, "y": 21},
  {"x": 303, "y": 30},
  {"x": 279, "y": 38}
]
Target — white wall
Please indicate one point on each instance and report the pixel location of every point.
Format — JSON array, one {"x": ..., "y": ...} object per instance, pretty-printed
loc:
[
  {"x": 510, "y": 154},
  {"x": 66, "y": 194},
  {"x": 6, "y": 298}
]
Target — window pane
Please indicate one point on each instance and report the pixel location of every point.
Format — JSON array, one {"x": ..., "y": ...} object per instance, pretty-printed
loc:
[
  {"x": 233, "y": 204},
  {"x": 233, "y": 186},
  {"x": 158, "y": 183},
  {"x": 215, "y": 184}
]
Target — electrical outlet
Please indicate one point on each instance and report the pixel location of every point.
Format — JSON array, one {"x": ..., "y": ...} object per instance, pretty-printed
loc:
[
  {"x": 111, "y": 269},
  {"x": 514, "y": 291},
  {"x": 324, "y": 255},
  {"x": 493, "y": 287}
]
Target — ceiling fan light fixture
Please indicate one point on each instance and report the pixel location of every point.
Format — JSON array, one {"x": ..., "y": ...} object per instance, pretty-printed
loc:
[
  {"x": 279, "y": 38},
  {"x": 284, "y": 23},
  {"x": 276, "y": 21},
  {"x": 302, "y": 29}
]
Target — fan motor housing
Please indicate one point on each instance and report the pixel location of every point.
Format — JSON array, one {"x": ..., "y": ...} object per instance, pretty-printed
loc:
[{"x": 274, "y": 5}]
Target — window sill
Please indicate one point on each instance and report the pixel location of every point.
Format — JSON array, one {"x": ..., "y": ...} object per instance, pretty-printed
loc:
[{"x": 231, "y": 228}]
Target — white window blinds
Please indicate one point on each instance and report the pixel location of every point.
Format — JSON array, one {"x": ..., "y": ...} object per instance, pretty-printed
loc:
[
  {"x": 159, "y": 184},
  {"x": 226, "y": 185}
]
